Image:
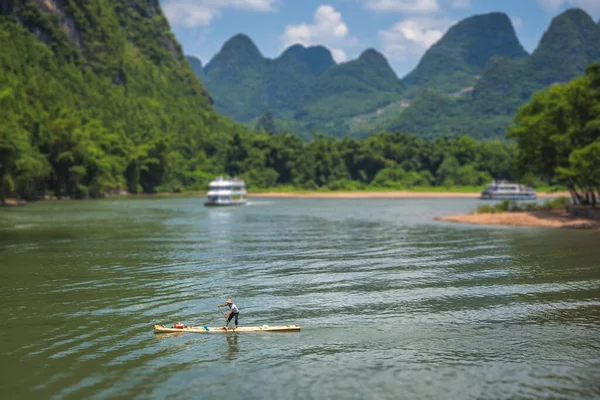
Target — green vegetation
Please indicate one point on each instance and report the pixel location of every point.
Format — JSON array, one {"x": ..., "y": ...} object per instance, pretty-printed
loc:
[
  {"x": 303, "y": 88},
  {"x": 558, "y": 136},
  {"x": 384, "y": 161},
  {"x": 513, "y": 206},
  {"x": 245, "y": 84},
  {"x": 347, "y": 90},
  {"x": 96, "y": 97},
  {"x": 453, "y": 63},
  {"x": 504, "y": 85},
  {"x": 471, "y": 82},
  {"x": 266, "y": 123}
]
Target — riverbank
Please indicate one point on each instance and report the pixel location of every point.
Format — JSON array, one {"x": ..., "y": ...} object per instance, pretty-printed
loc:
[
  {"x": 555, "y": 218},
  {"x": 405, "y": 194},
  {"x": 383, "y": 195}
]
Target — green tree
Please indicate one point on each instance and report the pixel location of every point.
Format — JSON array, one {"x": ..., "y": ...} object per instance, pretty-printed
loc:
[
  {"x": 266, "y": 123},
  {"x": 558, "y": 132}
]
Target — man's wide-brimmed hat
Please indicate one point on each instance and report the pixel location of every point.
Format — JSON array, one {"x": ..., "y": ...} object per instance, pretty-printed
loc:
[{"x": 228, "y": 301}]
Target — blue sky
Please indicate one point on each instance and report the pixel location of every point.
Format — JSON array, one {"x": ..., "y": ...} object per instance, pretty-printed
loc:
[{"x": 401, "y": 29}]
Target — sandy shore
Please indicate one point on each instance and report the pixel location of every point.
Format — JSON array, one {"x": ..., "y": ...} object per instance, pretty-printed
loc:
[
  {"x": 382, "y": 195},
  {"x": 12, "y": 202},
  {"x": 558, "y": 218}
]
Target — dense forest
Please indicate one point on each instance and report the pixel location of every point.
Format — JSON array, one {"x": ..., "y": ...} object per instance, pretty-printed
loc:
[
  {"x": 97, "y": 97},
  {"x": 385, "y": 160}
]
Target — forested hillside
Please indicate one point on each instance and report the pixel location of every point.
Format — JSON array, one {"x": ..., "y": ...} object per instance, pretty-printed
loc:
[
  {"x": 97, "y": 97},
  {"x": 566, "y": 48},
  {"x": 471, "y": 82},
  {"x": 455, "y": 61},
  {"x": 304, "y": 88},
  {"x": 347, "y": 90},
  {"x": 245, "y": 84}
]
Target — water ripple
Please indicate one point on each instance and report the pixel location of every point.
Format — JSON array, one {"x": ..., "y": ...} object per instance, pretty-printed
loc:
[{"x": 391, "y": 303}]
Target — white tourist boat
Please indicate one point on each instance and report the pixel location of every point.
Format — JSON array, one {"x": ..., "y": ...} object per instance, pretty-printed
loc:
[
  {"x": 504, "y": 190},
  {"x": 226, "y": 192}
]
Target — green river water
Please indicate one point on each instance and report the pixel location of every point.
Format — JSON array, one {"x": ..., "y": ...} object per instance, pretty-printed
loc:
[{"x": 392, "y": 304}]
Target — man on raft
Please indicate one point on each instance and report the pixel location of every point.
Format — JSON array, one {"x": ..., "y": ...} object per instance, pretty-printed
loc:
[{"x": 233, "y": 312}]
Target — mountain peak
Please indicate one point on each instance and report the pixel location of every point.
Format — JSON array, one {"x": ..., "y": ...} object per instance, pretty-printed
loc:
[
  {"x": 239, "y": 50},
  {"x": 295, "y": 50},
  {"x": 569, "y": 45},
  {"x": 369, "y": 73},
  {"x": 372, "y": 56},
  {"x": 484, "y": 36},
  {"x": 242, "y": 44},
  {"x": 573, "y": 22},
  {"x": 574, "y": 13},
  {"x": 461, "y": 54},
  {"x": 316, "y": 58}
]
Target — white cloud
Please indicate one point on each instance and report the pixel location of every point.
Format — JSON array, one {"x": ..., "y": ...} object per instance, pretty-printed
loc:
[
  {"x": 411, "y": 37},
  {"x": 591, "y": 6},
  {"x": 194, "y": 13},
  {"x": 328, "y": 29},
  {"x": 461, "y": 3},
  {"x": 403, "y": 6}
]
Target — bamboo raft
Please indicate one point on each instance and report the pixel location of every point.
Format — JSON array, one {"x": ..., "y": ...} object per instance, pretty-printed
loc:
[{"x": 208, "y": 329}]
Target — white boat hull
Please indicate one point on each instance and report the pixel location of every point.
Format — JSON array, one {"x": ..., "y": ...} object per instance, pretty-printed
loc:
[
  {"x": 507, "y": 197},
  {"x": 225, "y": 204}
]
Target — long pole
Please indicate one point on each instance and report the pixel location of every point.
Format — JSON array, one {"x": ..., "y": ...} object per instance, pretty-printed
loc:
[{"x": 224, "y": 316}]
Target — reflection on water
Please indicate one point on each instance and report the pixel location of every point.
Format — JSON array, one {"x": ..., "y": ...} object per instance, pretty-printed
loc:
[
  {"x": 391, "y": 302},
  {"x": 232, "y": 345}
]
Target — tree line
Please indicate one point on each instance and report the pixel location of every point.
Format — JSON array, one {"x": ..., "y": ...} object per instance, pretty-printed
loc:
[{"x": 384, "y": 160}]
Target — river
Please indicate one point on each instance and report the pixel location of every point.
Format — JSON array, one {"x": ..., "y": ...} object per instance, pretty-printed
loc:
[{"x": 392, "y": 304}]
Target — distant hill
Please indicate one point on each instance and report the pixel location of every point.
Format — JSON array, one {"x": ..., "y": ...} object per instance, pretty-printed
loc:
[
  {"x": 245, "y": 84},
  {"x": 571, "y": 43},
  {"x": 196, "y": 65},
  {"x": 470, "y": 82},
  {"x": 349, "y": 89},
  {"x": 455, "y": 61},
  {"x": 290, "y": 77}
]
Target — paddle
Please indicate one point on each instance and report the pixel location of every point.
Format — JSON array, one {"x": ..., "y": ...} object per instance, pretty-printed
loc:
[{"x": 224, "y": 316}]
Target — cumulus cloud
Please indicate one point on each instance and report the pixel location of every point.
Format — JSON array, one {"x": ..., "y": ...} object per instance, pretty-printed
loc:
[
  {"x": 403, "y": 6},
  {"x": 411, "y": 37},
  {"x": 328, "y": 29},
  {"x": 591, "y": 6},
  {"x": 194, "y": 13}
]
